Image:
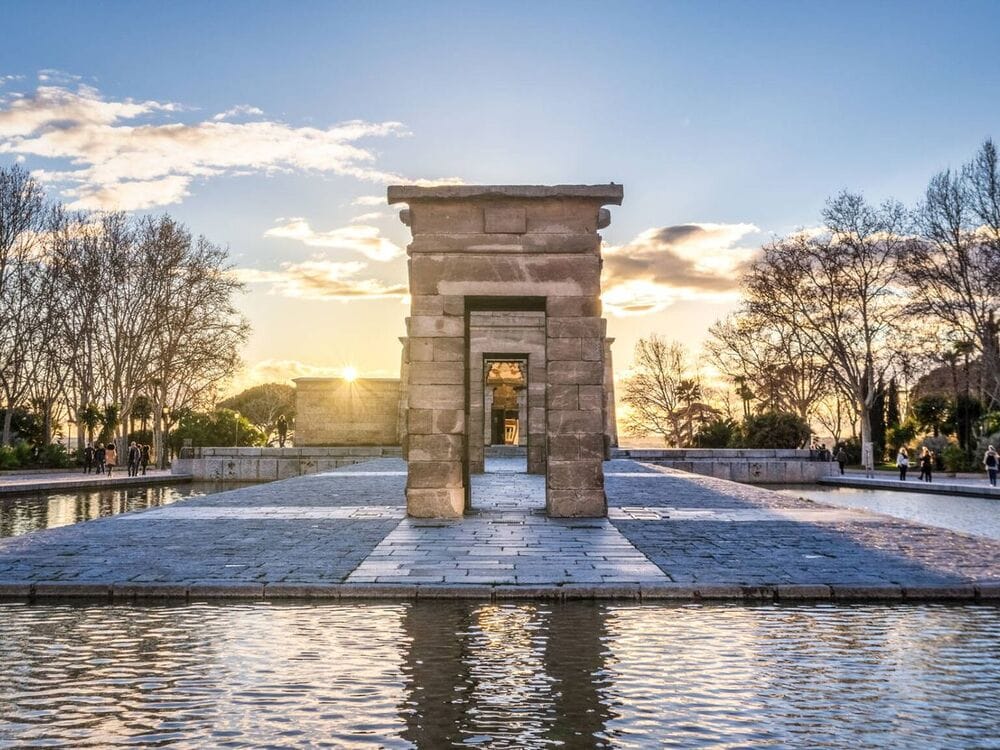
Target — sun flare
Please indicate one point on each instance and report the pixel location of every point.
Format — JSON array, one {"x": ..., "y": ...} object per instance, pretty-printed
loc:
[{"x": 350, "y": 373}]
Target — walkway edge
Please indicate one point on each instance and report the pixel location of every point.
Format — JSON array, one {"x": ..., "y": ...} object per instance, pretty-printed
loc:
[
  {"x": 915, "y": 485},
  {"x": 33, "y": 488},
  {"x": 136, "y": 593}
]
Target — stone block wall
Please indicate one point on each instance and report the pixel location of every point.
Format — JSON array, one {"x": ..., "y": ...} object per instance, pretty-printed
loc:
[
  {"x": 334, "y": 411},
  {"x": 269, "y": 464}
]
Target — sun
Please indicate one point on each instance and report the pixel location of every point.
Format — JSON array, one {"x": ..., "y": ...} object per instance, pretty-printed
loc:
[{"x": 350, "y": 373}]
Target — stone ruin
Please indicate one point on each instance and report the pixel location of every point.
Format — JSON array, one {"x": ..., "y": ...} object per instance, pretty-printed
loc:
[{"x": 505, "y": 338}]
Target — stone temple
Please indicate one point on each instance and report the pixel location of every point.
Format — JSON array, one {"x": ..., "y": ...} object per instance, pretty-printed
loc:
[{"x": 505, "y": 346}]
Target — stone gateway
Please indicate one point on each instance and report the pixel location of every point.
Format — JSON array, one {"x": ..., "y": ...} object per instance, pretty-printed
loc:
[{"x": 505, "y": 340}]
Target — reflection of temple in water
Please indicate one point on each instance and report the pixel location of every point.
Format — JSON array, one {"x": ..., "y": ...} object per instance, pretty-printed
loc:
[{"x": 521, "y": 674}]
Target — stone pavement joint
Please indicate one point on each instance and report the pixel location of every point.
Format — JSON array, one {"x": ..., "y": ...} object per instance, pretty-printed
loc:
[{"x": 344, "y": 534}]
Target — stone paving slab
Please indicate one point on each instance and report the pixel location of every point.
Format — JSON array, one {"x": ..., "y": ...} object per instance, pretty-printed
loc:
[{"x": 343, "y": 534}]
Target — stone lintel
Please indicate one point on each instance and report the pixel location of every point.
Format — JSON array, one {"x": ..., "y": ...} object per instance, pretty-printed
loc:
[{"x": 610, "y": 193}]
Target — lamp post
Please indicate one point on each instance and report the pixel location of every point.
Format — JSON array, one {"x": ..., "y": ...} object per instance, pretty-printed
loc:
[
  {"x": 165, "y": 414},
  {"x": 236, "y": 414}
]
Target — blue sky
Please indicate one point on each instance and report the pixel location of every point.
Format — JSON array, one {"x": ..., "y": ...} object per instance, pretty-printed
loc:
[{"x": 721, "y": 114}]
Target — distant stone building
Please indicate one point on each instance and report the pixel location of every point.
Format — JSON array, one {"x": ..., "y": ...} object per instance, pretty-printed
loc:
[{"x": 335, "y": 411}]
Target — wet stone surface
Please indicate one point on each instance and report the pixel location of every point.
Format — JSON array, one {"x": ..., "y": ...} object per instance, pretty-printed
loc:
[{"x": 348, "y": 527}]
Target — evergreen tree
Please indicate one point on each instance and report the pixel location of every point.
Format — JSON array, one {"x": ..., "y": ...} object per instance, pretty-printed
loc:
[{"x": 892, "y": 405}]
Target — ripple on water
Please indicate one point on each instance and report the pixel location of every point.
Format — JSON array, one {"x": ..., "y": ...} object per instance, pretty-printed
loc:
[{"x": 519, "y": 675}]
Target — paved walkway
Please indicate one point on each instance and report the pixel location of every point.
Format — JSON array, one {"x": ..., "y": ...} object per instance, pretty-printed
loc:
[
  {"x": 19, "y": 484},
  {"x": 344, "y": 533}
]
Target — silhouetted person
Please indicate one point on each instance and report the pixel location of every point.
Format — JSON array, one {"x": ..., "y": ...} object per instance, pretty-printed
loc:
[
  {"x": 134, "y": 454},
  {"x": 841, "y": 459},
  {"x": 110, "y": 457},
  {"x": 902, "y": 463},
  {"x": 926, "y": 464},
  {"x": 144, "y": 458},
  {"x": 282, "y": 430},
  {"x": 99, "y": 453},
  {"x": 88, "y": 459},
  {"x": 991, "y": 461}
]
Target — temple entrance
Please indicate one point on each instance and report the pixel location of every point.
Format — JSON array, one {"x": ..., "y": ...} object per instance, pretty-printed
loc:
[
  {"x": 505, "y": 285},
  {"x": 505, "y": 408}
]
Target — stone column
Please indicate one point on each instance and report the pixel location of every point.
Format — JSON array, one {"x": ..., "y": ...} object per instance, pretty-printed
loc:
[
  {"x": 610, "y": 412},
  {"x": 435, "y": 486},
  {"x": 575, "y": 404}
]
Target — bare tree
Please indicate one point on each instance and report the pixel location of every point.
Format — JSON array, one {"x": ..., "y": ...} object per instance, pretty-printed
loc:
[
  {"x": 662, "y": 397},
  {"x": 21, "y": 220},
  {"x": 771, "y": 359},
  {"x": 953, "y": 266},
  {"x": 842, "y": 291}
]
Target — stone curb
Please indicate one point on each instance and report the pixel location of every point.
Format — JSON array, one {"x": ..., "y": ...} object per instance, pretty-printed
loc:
[
  {"x": 131, "y": 592},
  {"x": 113, "y": 483}
]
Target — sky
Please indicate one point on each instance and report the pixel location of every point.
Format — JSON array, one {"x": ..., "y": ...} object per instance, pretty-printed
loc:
[{"x": 274, "y": 128}]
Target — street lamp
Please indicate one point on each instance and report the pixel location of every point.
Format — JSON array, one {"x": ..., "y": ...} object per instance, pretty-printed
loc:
[
  {"x": 237, "y": 431},
  {"x": 165, "y": 414}
]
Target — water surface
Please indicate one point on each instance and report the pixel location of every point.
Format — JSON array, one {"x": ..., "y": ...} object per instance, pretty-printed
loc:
[
  {"x": 519, "y": 675},
  {"x": 970, "y": 515},
  {"x": 20, "y": 514}
]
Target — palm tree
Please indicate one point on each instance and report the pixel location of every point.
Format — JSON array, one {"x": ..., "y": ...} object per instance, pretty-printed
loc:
[{"x": 90, "y": 417}]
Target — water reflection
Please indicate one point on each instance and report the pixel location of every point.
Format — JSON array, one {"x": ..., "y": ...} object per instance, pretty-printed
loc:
[
  {"x": 525, "y": 675},
  {"x": 23, "y": 513}
]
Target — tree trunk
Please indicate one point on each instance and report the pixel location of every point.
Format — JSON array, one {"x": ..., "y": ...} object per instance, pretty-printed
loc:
[{"x": 8, "y": 416}]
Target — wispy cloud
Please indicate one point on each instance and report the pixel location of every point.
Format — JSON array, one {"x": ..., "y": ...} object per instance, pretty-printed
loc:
[
  {"x": 360, "y": 238},
  {"x": 665, "y": 265},
  {"x": 240, "y": 110},
  {"x": 132, "y": 154},
  {"x": 370, "y": 200},
  {"x": 322, "y": 279}
]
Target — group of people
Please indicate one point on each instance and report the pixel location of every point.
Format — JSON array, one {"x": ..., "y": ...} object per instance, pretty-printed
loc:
[
  {"x": 925, "y": 461},
  {"x": 102, "y": 459}
]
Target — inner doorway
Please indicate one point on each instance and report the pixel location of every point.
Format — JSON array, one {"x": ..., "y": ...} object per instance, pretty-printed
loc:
[{"x": 505, "y": 406}]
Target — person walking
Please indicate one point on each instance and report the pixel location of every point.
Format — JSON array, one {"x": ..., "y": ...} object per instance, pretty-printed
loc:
[
  {"x": 902, "y": 463},
  {"x": 144, "y": 458},
  {"x": 926, "y": 464},
  {"x": 88, "y": 459},
  {"x": 991, "y": 462},
  {"x": 282, "y": 430},
  {"x": 110, "y": 457},
  {"x": 99, "y": 454},
  {"x": 841, "y": 459},
  {"x": 133, "y": 459}
]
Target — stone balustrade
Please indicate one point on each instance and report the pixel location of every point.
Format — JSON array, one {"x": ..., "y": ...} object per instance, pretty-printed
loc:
[
  {"x": 748, "y": 465},
  {"x": 269, "y": 464}
]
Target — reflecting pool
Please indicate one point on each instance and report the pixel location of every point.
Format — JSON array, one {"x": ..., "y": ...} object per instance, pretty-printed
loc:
[
  {"x": 971, "y": 515},
  {"x": 20, "y": 514},
  {"x": 518, "y": 675}
]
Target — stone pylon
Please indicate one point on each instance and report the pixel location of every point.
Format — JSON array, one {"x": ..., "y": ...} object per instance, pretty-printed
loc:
[{"x": 483, "y": 249}]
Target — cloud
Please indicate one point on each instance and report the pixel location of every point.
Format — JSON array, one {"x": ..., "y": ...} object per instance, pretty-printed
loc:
[
  {"x": 129, "y": 154},
  {"x": 370, "y": 200},
  {"x": 321, "y": 279},
  {"x": 361, "y": 238},
  {"x": 370, "y": 216},
  {"x": 665, "y": 265},
  {"x": 240, "y": 110}
]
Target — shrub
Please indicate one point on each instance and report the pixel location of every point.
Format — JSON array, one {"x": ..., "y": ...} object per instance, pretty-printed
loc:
[
  {"x": 719, "y": 433},
  {"x": 955, "y": 459},
  {"x": 775, "y": 430},
  {"x": 900, "y": 436}
]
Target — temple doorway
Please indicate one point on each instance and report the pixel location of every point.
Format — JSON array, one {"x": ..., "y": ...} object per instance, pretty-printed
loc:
[{"x": 505, "y": 404}]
